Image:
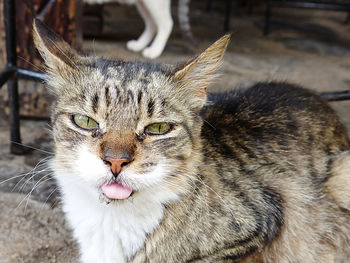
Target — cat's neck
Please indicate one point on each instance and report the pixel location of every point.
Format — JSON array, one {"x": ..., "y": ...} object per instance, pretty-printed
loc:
[{"x": 126, "y": 222}]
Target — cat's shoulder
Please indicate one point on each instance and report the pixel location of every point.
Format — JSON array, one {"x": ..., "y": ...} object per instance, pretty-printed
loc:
[
  {"x": 263, "y": 99},
  {"x": 265, "y": 93}
]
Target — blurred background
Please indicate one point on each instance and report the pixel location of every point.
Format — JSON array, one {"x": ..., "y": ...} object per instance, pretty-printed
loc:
[{"x": 271, "y": 41}]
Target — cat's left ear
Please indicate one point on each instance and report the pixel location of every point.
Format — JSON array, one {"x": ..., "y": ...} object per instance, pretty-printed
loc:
[
  {"x": 195, "y": 76},
  {"x": 56, "y": 53}
]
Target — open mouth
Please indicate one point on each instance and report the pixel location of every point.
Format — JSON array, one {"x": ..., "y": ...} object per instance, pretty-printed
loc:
[{"x": 116, "y": 191}]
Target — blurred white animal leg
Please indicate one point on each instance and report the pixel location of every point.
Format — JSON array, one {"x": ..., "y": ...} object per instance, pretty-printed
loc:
[
  {"x": 149, "y": 32},
  {"x": 161, "y": 15}
]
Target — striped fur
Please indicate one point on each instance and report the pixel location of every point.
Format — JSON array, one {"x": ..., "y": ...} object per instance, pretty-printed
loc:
[{"x": 251, "y": 176}]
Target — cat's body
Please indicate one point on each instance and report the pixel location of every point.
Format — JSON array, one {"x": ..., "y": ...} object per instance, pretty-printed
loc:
[
  {"x": 156, "y": 15},
  {"x": 155, "y": 175}
]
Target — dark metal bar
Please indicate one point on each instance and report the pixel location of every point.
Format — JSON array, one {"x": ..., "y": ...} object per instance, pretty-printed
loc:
[
  {"x": 6, "y": 75},
  {"x": 11, "y": 74},
  {"x": 302, "y": 4},
  {"x": 227, "y": 16},
  {"x": 11, "y": 56},
  {"x": 12, "y": 86},
  {"x": 312, "y": 4},
  {"x": 29, "y": 74},
  {"x": 336, "y": 95},
  {"x": 10, "y": 30}
]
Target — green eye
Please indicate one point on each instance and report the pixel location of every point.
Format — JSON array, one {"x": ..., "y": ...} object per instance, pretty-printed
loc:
[
  {"x": 158, "y": 128},
  {"x": 85, "y": 122}
]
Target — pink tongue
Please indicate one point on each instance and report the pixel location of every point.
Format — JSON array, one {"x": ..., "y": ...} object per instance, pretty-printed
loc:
[{"x": 116, "y": 191}]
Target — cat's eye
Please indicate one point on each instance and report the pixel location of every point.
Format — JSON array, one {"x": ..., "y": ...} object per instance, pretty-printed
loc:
[
  {"x": 158, "y": 128},
  {"x": 85, "y": 122}
]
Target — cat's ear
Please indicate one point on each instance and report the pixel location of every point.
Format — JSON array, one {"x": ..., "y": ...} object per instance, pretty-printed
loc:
[
  {"x": 196, "y": 74},
  {"x": 56, "y": 53}
]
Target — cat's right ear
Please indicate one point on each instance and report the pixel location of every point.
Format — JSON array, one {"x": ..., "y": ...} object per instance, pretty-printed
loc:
[
  {"x": 194, "y": 77},
  {"x": 56, "y": 53}
]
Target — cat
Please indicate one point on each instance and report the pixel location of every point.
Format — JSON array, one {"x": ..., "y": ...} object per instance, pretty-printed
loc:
[
  {"x": 156, "y": 15},
  {"x": 151, "y": 168}
]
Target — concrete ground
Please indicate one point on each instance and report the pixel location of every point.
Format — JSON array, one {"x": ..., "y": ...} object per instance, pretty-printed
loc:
[{"x": 310, "y": 48}]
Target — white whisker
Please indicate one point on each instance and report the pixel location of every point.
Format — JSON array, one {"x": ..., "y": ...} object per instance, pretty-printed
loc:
[
  {"x": 48, "y": 197},
  {"x": 32, "y": 147},
  {"x": 27, "y": 196},
  {"x": 31, "y": 64}
]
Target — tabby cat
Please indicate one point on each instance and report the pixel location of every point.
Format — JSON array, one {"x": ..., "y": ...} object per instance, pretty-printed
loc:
[{"x": 153, "y": 169}]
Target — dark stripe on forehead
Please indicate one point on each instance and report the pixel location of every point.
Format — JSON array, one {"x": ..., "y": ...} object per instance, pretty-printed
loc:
[
  {"x": 150, "y": 108},
  {"x": 83, "y": 96},
  {"x": 95, "y": 102},
  {"x": 139, "y": 97},
  {"x": 107, "y": 96},
  {"x": 164, "y": 103},
  {"x": 130, "y": 96},
  {"x": 144, "y": 81}
]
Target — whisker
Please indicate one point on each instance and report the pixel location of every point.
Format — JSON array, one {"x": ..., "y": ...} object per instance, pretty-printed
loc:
[
  {"x": 64, "y": 54},
  {"x": 30, "y": 178},
  {"x": 33, "y": 188},
  {"x": 37, "y": 185},
  {"x": 48, "y": 197},
  {"x": 14, "y": 177},
  {"x": 32, "y": 147},
  {"x": 31, "y": 64},
  {"x": 207, "y": 122},
  {"x": 23, "y": 175},
  {"x": 33, "y": 172}
]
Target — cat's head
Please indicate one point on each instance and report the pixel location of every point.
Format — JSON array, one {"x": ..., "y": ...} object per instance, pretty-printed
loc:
[{"x": 125, "y": 127}]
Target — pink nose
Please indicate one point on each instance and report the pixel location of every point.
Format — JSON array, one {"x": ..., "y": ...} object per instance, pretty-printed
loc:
[{"x": 116, "y": 163}]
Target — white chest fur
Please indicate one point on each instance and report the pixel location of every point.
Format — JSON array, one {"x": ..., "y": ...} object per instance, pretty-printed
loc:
[{"x": 111, "y": 232}]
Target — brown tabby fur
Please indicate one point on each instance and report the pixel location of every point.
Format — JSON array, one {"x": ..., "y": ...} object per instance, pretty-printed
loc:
[{"x": 263, "y": 173}]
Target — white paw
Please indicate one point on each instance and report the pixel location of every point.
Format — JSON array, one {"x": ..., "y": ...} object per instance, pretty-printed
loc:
[
  {"x": 151, "y": 53},
  {"x": 134, "y": 45}
]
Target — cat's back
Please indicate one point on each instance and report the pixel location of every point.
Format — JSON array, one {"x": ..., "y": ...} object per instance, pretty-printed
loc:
[{"x": 274, "y": 113}]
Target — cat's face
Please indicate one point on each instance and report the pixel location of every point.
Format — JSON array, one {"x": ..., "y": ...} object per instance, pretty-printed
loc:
[
  {"x": 107, "y": 116},
  {"x": 121, "y": 128}
]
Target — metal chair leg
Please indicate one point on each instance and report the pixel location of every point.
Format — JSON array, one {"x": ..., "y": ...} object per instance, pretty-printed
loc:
[
  {"x": 11, "y": 74},
  {"x": 227, "y": 16}
]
